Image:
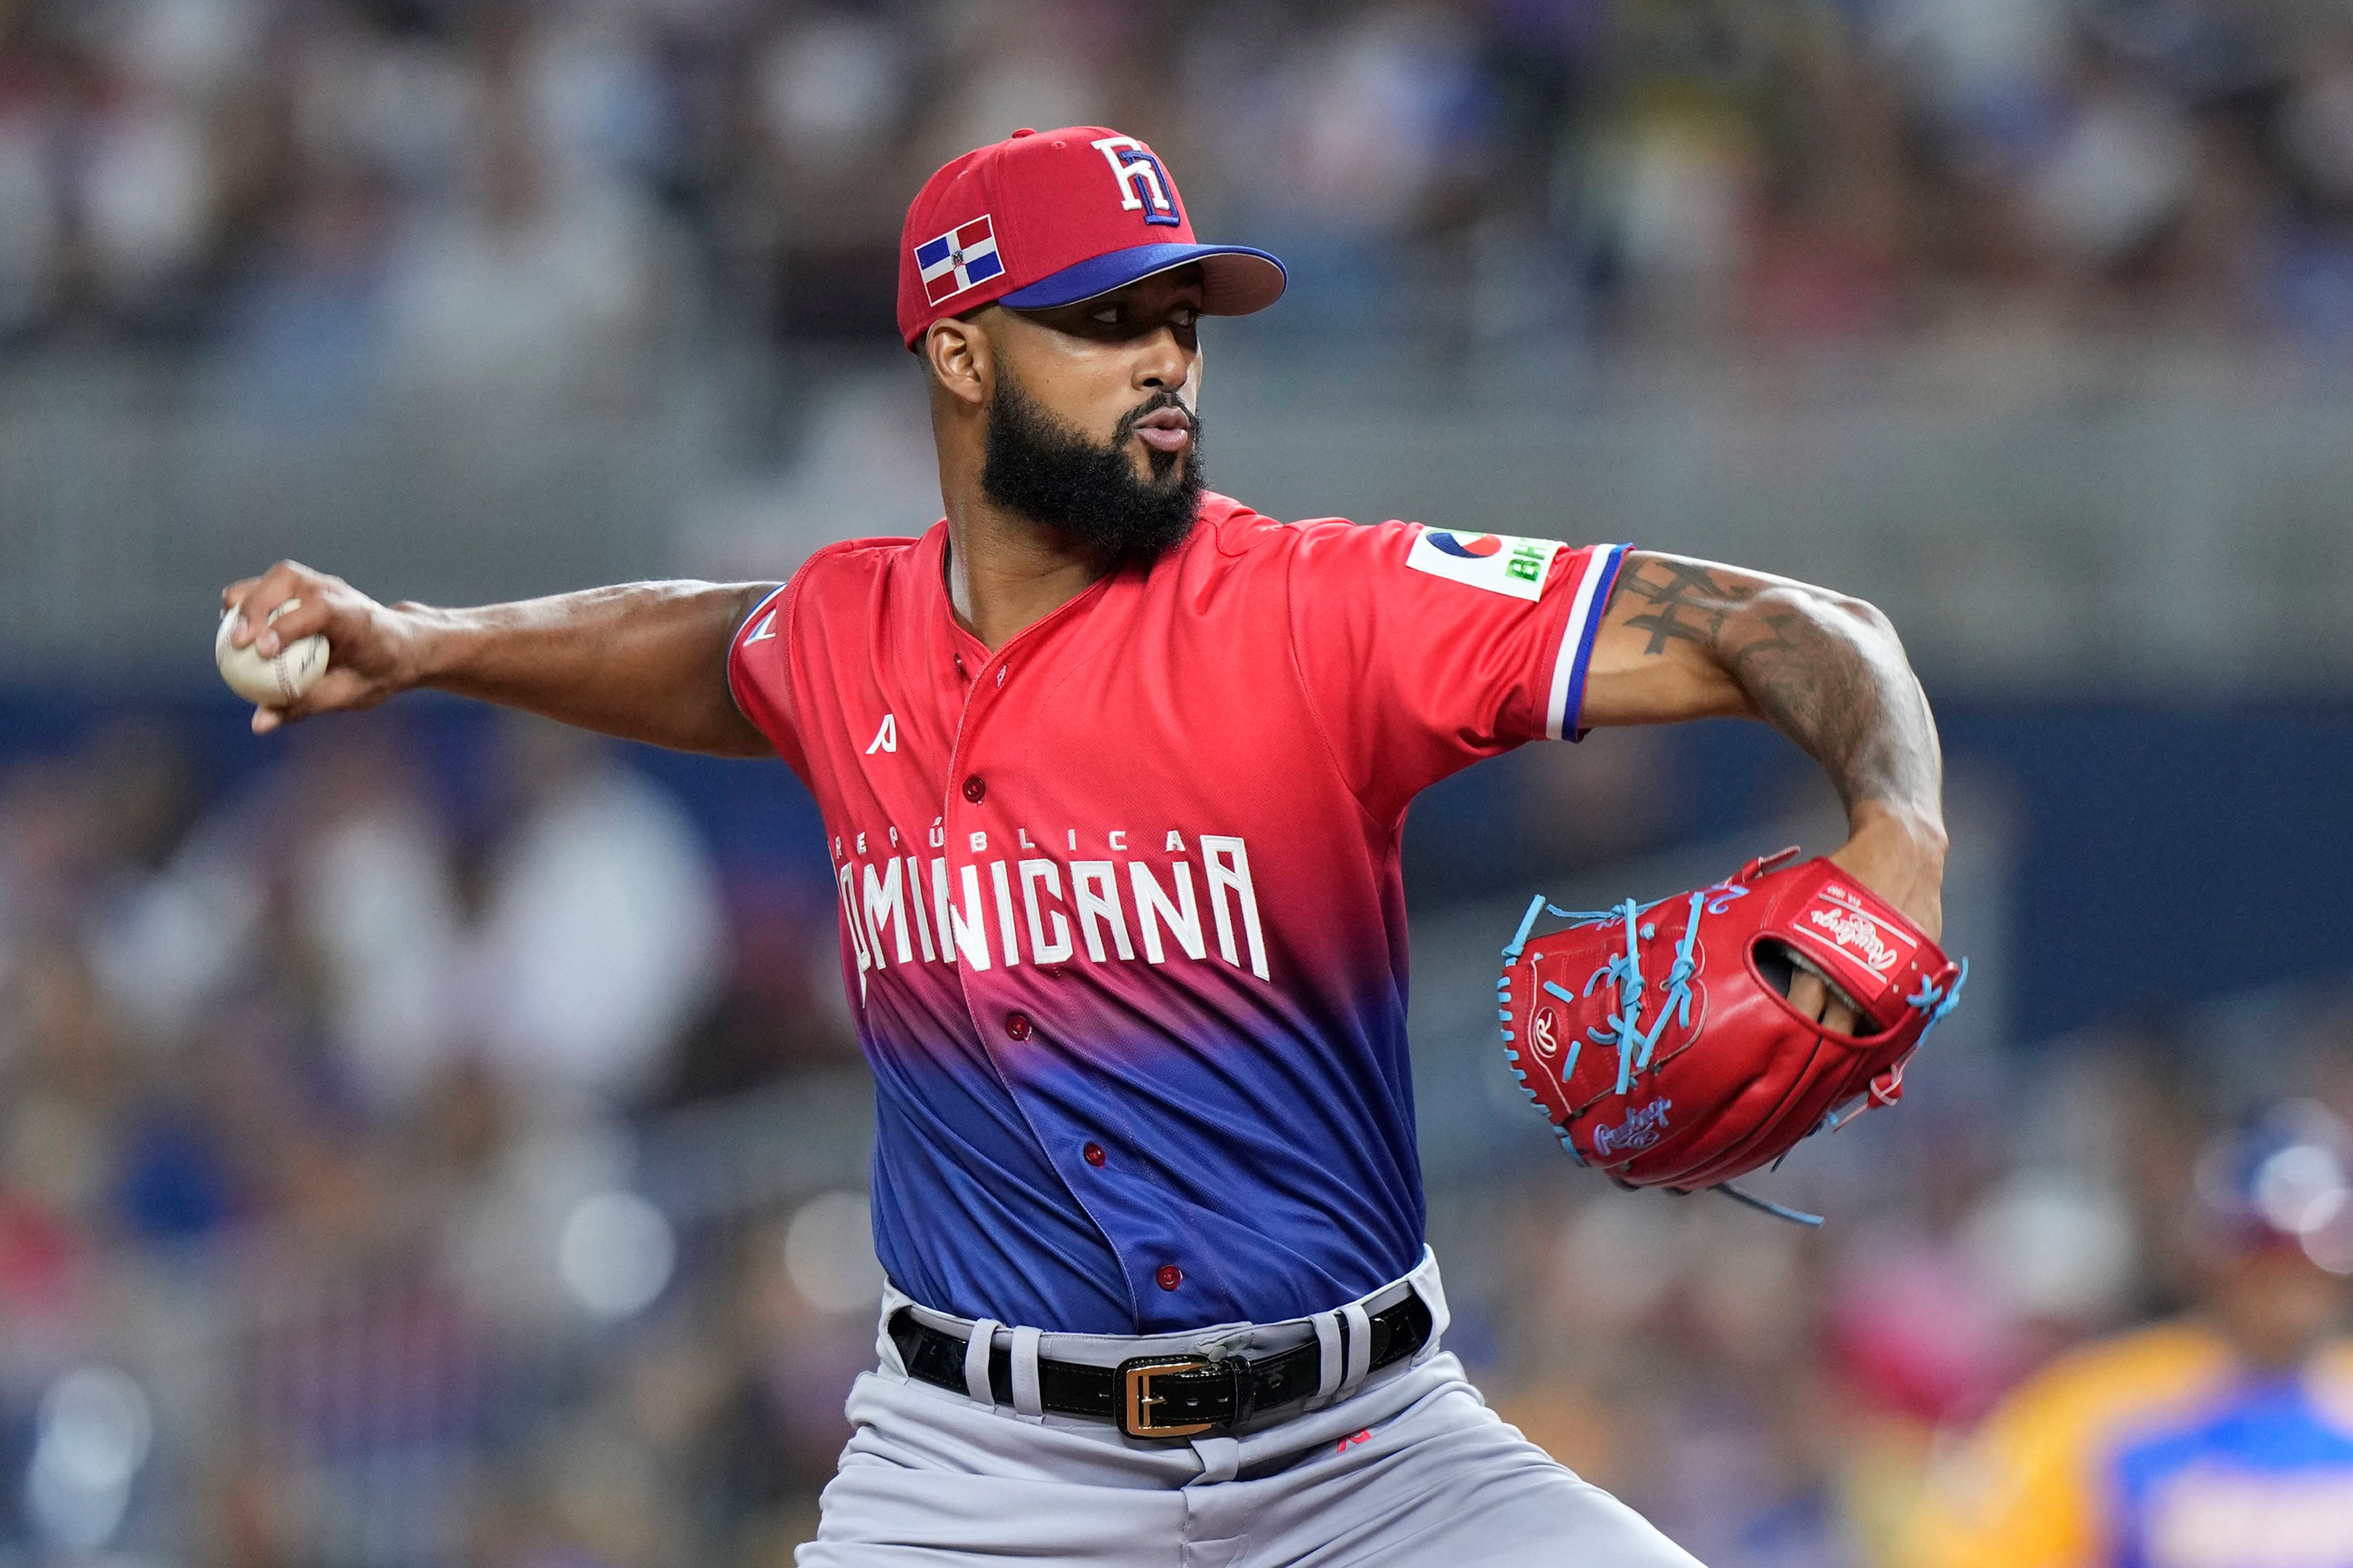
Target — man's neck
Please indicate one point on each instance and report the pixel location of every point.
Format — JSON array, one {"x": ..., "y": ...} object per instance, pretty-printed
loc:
[{"x": 1007, "y": 572}]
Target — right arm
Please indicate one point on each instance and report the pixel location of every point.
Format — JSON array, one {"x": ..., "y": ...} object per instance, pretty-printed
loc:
[{"x": 646, "y": 661}]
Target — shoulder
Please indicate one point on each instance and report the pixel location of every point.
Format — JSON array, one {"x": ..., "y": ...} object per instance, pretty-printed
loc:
[
  {"x": 857, "y": 576},
  {"x": 859, "y": 560},
  {"x": 1233, "y": 528},
  {"x": 838, "y": 578},
  {"x": 1233, "y": 537}
]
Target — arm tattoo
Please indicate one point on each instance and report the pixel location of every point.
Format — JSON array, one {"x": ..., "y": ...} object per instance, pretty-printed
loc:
[
  {"x": 1675, "y": 586},
  {"x": 1833, "y": 680}
]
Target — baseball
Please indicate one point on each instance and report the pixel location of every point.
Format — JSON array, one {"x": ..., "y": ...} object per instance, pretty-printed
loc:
[{"x": 270, "y": 682}]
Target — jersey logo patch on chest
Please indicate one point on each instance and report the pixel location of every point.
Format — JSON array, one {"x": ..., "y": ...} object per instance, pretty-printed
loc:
[
  {"x": 886, "y": 739},
  {"x": 1495, "y": 562}
]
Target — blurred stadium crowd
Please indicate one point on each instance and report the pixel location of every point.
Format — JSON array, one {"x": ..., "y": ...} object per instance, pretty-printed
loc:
[{"x": 526, "y": 199}]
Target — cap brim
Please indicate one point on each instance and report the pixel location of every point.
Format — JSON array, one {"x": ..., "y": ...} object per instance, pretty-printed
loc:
[{"x": 1236, "y": 280}]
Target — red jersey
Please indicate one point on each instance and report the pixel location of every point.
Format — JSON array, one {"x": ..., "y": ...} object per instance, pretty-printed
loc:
[{"x": 1122, "y": 924}]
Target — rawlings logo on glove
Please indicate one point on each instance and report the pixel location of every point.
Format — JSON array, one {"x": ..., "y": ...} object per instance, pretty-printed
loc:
[{"x": 1627, "y": 1015}]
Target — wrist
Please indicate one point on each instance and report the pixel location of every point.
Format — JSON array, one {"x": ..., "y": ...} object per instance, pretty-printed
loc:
[
  {"x": 1916, "y": 831},
  {"x": 424, "y": 651},
  {"x": 1899, "y": 854}
]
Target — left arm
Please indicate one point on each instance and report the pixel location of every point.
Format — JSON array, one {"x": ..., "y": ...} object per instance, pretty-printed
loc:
[{"x": 1690, "y": 639}]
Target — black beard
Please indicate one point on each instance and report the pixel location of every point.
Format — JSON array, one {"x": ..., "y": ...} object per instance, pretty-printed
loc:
[{"x": 1045, "y": 470}]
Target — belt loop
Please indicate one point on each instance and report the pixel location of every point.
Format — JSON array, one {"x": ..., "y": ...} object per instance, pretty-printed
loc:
[
  {"x": 1327, "y": 1339},
  {"x": 1026, "y": 1399},
  {"x": 1428, "y": 1285},
  {"x": 1360, "y": 1346},
  {"x": 976, "y": 1362}
]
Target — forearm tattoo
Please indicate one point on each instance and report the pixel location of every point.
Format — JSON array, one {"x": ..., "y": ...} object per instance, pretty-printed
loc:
[{"x": 1823, "y": 671}]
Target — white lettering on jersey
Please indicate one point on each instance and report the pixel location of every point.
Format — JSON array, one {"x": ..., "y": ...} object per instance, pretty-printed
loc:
[
  {"x": 1094, "y": 887},
  {"x": 890, "y": 918},
  {"x": 1495, "y": 562},
  {"x": 915, "y": 901},
  {"x": 1009, "y": 948},
  {"x": 886, "y": 905},
  {"x": 1227, "y": 864},
  {"x": 1043, "y": 948},
  {"x": 849, "y": 911},
  {"x": 886, "y": 739},
  {"x": 1152, "y": 907},
  {"x": 960, "y": 929}
]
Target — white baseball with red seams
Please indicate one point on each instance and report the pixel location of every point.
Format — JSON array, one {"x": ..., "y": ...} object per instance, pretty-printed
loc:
[{"x": 271, "y": 682}]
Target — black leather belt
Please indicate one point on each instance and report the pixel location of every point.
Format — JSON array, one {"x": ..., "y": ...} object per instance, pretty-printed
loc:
[{"x": 1165, "y": 1395}]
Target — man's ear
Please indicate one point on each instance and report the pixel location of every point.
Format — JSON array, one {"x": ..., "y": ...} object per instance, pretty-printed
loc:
[{"x": 962, "y": 359}]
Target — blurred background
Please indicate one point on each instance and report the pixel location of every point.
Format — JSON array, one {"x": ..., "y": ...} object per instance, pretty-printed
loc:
[{"x": 434, "y": 1139}]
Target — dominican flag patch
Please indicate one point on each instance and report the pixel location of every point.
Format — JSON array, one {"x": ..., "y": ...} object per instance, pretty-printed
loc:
[{"x": 959, "y": 259}]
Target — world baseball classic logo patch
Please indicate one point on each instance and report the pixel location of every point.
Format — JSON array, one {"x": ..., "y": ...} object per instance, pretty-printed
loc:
[
  {"x": 1495, "y": 562},
  {"x": 958, "y": 259}
]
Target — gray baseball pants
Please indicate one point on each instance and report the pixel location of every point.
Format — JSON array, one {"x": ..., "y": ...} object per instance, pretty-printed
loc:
[{"x": 1405, "y": 1466}]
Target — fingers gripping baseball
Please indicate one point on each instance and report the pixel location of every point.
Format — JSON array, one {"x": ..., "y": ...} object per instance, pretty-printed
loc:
[{"x": 364, "y": 638}]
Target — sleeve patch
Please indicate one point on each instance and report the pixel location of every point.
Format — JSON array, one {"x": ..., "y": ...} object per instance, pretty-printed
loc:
[{"x": 1495, "y": 562}]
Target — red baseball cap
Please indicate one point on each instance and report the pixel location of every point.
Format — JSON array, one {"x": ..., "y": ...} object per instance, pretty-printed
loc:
[{"x": 1050, "y": 217}]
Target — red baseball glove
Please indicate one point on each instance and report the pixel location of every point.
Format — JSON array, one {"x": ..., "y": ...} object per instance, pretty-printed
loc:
[{"x": 1659, "y": 1041}]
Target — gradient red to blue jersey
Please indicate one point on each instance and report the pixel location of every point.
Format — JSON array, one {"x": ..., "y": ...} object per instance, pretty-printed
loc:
[{"x": 1122, "y": 926}]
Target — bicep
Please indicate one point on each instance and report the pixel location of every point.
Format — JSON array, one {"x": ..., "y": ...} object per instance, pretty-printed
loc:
[
  {"x": 675, "y": 657},
  {"x": 1660, "y": 656}
]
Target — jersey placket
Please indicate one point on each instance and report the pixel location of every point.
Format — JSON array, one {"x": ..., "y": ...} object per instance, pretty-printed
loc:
[{"x": 1017, "y": 1024}]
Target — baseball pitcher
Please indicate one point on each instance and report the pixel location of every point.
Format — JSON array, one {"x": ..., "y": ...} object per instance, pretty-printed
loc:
[{"x": 1114, "y": 771}]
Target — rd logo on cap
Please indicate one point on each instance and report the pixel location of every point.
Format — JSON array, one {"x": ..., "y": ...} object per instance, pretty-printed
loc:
[
  {"x": 958, "y": 259},
  {"x": 1142, "y": 183}
]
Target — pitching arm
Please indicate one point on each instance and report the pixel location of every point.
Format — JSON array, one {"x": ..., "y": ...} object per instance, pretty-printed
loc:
[
  {"x": 1691, "y": 639},
  {"x": 646, "y": 661}
]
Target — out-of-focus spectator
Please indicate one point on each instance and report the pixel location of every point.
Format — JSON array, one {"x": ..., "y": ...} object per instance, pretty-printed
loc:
[
  {"x": 2224, "y": 1437},
  {"x": 534, "y": 292},
  {"x": 600, "y": 935},
  {"x": 582, "y": 184}
]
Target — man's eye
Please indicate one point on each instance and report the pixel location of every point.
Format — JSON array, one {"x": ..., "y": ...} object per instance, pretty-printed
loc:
[
  {"x": 1108, "y": 315},
  {"x": 1186, "y": 316}
]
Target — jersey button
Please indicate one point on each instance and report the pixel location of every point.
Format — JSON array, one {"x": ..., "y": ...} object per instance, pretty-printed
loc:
[
  {"x": 1092, "y": 1155},
  {"x": 1169, "y": 1276},
  {"x": 974, "y": 790},
  {"x": 1017, "y": 1024}
]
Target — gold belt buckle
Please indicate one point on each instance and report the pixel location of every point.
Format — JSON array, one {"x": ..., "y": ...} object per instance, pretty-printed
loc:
[{"x": 1135, "y": 1411}]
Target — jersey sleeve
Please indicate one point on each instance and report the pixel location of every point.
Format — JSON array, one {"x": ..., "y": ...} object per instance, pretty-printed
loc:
[
  {"x": 759, "y": 674},
  {"x": 1425, "y": 649}
]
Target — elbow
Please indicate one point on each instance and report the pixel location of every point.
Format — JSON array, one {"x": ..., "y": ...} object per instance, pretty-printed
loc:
[
  {"x": 1867, "y": 615},
  {"x": 1841, "y": 614},
  {"x": 1859, "y": 613}
]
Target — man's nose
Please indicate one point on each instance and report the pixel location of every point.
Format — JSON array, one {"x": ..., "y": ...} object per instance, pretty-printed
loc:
[{"x": 1163, "y": 363}]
